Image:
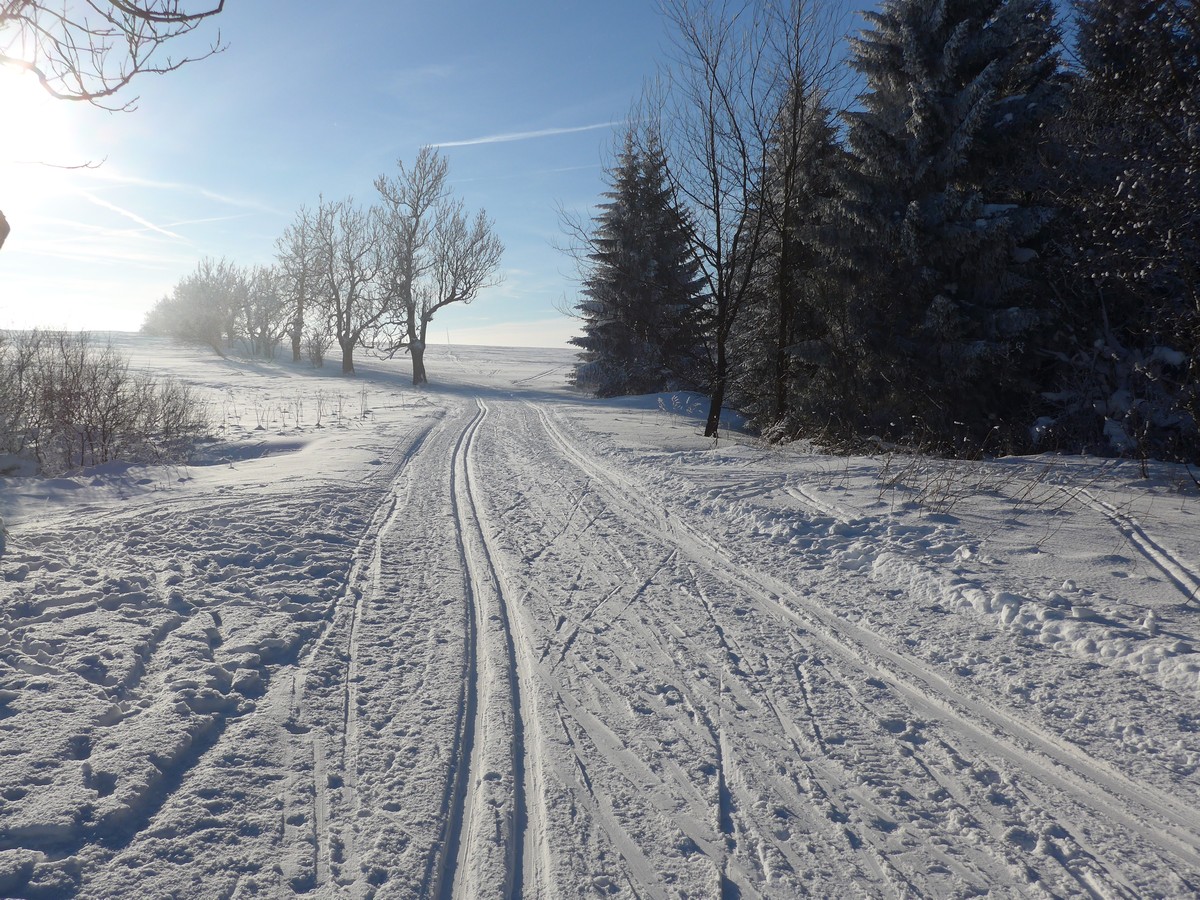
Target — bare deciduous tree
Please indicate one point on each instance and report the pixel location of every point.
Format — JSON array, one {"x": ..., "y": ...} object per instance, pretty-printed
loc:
[
  {"x": 736, "y": 61},
  {"x": 90, "y": 51},
  {"x": 202, "y": 307},
  {"x": 711, "y": 124},
  {"x": 433, "y": 253},
  {"x": 347, "y": 254},
  {"x": 263, "y": 313},
  {"x": 294, "y": 254}
]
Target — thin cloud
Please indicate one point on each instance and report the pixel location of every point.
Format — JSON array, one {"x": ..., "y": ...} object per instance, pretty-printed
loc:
[
  {"x": 106, "y": 254},
  {"x": 524, "y": 135},
  {"x": 132, "y": 216},
  {"x": 207, "y": 221},
  {"x": 112, "y": 177}
]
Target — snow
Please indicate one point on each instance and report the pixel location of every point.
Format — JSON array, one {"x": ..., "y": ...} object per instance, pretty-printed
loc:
[
  {"x": 1169, "y": 357},
  {"x": 489, "y": 637}
]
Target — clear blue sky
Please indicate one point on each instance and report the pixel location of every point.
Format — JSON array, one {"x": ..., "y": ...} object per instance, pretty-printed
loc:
[{"x": 321, "y": 98}]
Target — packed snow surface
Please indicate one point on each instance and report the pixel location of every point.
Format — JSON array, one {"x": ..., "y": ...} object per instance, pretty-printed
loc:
[{"x": 489, "y": 638}]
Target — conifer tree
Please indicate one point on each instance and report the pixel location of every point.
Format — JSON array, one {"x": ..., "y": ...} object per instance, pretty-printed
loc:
[
  {"x": 1129, "y": 241},
  {"x": 642, "y": 310},
  {"x": 936, "y": 215}
]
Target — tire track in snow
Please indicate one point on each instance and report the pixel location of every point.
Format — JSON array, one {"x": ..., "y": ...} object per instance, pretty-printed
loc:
[{"x": 1139, "y": 808}]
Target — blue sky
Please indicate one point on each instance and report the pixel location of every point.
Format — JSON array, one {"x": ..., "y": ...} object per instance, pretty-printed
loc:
[{"x": 321, "y": 98}]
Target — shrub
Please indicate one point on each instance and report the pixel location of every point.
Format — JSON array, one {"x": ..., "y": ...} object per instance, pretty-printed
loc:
[{"x": 68, "y": 404}]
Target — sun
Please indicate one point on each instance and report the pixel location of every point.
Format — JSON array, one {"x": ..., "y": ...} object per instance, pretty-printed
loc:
[
  {"x": 39, "y": 147},
  {"x": 36, "y": 127}
]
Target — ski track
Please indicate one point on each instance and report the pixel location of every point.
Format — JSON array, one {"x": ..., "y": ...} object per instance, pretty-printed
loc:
[
  {"x": 488, "y": 834},
  {"x": 500, "y": 665},
  {"x": 1139, "y": 808},
  {"x": 1183, "y": 575}
]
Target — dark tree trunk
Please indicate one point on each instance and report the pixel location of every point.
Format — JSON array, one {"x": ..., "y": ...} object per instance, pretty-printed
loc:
[
  {"x": 718, "y": 392},
  {"x": 417, "y": 329},
  {"x": 298, "y": 319},
  {"x": 782, "y": 331},
  {"x": 417, "y": 348},
  {"x": 297, "y": 340},
  {"x": 347, "y": 357}
]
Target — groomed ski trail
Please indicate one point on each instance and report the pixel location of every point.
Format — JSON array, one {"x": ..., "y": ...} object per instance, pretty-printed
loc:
[{"x": 1067, "y": 772}]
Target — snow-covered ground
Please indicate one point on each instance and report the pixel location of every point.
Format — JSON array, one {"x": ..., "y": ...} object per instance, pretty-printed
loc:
[{"x": 489, "y": 638}]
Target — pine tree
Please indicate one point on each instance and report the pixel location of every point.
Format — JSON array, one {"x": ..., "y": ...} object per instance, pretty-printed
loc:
[
  {"x": 936, "y": 214},
  {"x": 1130, "y": 241},
  {"x": 642, "y": 310}
]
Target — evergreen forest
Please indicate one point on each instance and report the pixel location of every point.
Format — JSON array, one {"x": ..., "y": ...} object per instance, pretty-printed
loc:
[{"x": 987, "y": 244}]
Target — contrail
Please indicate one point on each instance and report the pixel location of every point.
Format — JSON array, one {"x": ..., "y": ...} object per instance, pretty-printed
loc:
[
  {"x": 523, "y": 135},
  {"x": 145, "y": 223}
]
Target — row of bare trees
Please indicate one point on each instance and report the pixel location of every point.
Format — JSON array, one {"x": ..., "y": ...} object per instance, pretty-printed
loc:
[{"x": 356, "y": 276}]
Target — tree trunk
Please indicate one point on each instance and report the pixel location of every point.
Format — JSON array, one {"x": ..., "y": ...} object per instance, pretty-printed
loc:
[
  {"x": 417, "y": 349},
  {"x": 347, "y": 357},
  {"x": 298, "y": 319},
  {"x": 297, "y": 340},
  {"x": 783, "y": 323},
  {"x": 718, "y": 392}
]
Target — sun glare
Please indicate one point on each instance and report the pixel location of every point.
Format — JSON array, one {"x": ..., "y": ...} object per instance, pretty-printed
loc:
[
  {"x": 38, "y": 143},
  {"x": 36, "y": 127}
]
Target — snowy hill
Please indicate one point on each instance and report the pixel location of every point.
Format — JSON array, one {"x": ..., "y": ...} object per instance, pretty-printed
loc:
[{"x": 490, "y": 638}]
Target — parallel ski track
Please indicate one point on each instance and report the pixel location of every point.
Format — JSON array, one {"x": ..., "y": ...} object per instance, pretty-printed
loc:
[
  {"x": 533, "y": 875},
  {"x": 1142, "y": 809},
  {"x": 1182, "y": 575},
  {"x": 497, "y": 748}
]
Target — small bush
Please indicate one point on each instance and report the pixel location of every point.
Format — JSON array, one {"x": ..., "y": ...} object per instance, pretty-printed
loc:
[
  {"x": 68, "y": 404},
  {"x": 316, "y": 344}
]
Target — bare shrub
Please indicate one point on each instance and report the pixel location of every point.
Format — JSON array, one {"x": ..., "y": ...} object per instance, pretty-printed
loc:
[
  {"x": 316, "y": 343},
  {"x": 70, "y": 404}
]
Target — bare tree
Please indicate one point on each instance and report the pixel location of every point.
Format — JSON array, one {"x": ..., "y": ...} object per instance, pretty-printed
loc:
[
  {"x": 347, "y": 252},
  {"x": 433, "y": 253},
  {"x": 202, "y": 307},
  {"x": 711, "y": 126},
  {"x": 736, "y": 61},
  {"x": 90, "y": 51},
  {"x": 263, "y": 310},
  {"x": 295, "y": 257}
]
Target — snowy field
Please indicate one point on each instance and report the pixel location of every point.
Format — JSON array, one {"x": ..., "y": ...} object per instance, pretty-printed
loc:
[{"x": 491, "y": 639}]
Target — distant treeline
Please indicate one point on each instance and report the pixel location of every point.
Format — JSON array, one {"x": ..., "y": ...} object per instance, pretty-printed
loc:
[{"x": 345, "y": 274}]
